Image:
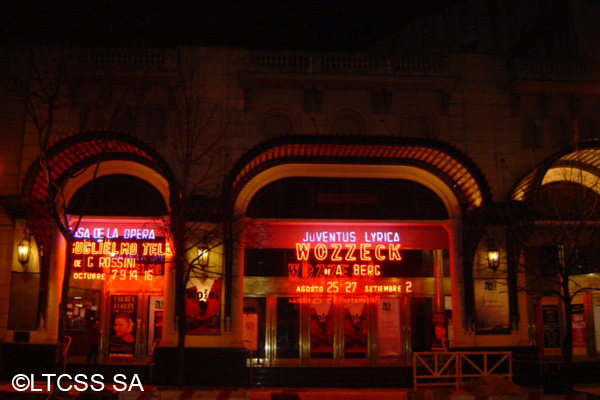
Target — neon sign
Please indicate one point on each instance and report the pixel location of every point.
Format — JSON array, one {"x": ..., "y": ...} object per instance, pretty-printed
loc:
[
  {"x": 331, "y": 259},
  {"x": 110, "y": 253},
  {"x": 350, "y": 237},
  {"x": 344, "y": 287},
  {"x": 346, "y": 254},
  {"x": 340, "y": 254}
]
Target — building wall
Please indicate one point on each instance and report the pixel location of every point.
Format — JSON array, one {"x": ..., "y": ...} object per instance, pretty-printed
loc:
[{"x": 480, "y": 117}]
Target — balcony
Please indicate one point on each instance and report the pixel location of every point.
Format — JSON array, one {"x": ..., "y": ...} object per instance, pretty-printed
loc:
[
  {"x": 553, "y": 76},
  {"x": 347, "y": 71},
  {"x": 345, "y": 63},
  {"x": 110, "y": 58}
]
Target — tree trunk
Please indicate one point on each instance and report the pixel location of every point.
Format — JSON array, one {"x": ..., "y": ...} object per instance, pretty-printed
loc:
[
  {"x": 62, "y": 311},
  {"x": 567, "y": 349}
]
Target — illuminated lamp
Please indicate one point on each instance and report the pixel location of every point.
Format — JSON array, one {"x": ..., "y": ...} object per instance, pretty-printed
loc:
[
  {"x": 493, "y": 258},
  {"x": 202, "y": 254},
  {"x": 23, "y": 252}
]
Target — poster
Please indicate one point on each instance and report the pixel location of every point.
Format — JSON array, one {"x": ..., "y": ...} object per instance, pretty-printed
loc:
[
  {"x": 388, "y": 323},
  {"x": 355, "y": 325},
  {"x": 551, "y": 326},
  {"x": 155, "y": 322},
  {"x": 250, "y": 335},
  {"x": 123, "y": 312},
  {"x": 439, "y": 326},
  {"x": 203, "y": 306},
  {"x": 321, "y": 326},
  {"x": 578, "y": 320},
  {"x": 491, "y": 306}
]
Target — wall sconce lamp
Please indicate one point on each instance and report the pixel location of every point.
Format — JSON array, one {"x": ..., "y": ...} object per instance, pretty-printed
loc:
[
  {"x": 202, "y": 255},
  {"x": 23, "y": 252},
  {"x": 493, "y": 258}
]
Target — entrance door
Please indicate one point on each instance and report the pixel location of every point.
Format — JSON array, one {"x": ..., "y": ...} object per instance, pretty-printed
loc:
[
  {"x": 132, "y": 327},
  {"x": 278, "y": 331},
  {"x": 339, "y": 330}
]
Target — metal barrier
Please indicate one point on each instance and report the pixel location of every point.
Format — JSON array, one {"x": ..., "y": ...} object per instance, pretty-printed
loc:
[{"x": 451, "y": 369}]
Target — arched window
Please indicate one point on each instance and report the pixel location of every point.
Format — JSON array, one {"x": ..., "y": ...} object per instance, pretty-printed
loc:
[{"x": 156, "y": 125}]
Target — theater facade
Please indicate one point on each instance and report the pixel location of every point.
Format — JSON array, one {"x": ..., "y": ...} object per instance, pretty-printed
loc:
[{"x": 360, "y": 214}]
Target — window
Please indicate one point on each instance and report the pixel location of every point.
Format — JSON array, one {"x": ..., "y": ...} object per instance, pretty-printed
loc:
[{"x": 155, "y": 128}]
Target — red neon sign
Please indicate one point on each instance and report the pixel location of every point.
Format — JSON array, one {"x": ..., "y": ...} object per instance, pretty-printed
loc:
[{"x": 107, "y": 253}]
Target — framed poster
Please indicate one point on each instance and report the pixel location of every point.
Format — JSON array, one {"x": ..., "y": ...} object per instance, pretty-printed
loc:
[
  {"x": 491, "y": 306},
  {"x": 439, "y": 326},
  {"x": 203, "y": 306},
  {"x": 321, "y": 327},
  {"x": 355, "y": 325},
  {"x": 551, "y": 327},
  {"x": 250, "y": 336},
  {"x": 155, "y": 322},
  {"x": 123, "y": 312},
  {"x": 579, "y": 334},
  {"x": 388, "y": 323}
]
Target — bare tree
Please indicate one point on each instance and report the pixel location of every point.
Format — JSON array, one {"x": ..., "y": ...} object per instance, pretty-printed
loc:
[
  {"x": 557, "y": 234},
  {"x": 197, "y": 136},
  {"x": 46, "y": 81}
]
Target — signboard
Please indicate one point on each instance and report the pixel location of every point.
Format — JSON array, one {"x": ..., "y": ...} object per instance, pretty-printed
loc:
[
  {"x": 551, "y": 326},
  {"x": 103, "y": 253},
  {"x": 123, "y": 314},
  {"x": 285, "y": 235},
  {"x": 203, "y": 306},
  {"x": 336, "y": 260},
  {"x": 250, "y": 334}
]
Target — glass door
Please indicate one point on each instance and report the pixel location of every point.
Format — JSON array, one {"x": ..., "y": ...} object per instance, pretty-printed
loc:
[
  {"x": 278, "y": 329},
  {"x": 356, "y": 327},
  {"x": 286, "y": 320}
]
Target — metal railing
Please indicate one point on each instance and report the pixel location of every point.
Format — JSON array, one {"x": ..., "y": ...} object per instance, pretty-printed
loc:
[{"x": 452, "y": 369}]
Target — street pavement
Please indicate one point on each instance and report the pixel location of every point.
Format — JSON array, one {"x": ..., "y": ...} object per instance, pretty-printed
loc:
[{"x": 163, "y": 393}]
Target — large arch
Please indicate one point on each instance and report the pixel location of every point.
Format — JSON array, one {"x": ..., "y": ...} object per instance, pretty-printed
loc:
[
  {"x": 437, "y": 165},
  {"x": 444, "y": 170},
  {"x": 577, "y": 164},
  {"x": 71, "y": 164},
  {"x": 71, "y": 156}
]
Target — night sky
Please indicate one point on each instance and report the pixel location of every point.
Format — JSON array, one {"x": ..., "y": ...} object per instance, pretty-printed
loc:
[{"x": 332, "y": 25}]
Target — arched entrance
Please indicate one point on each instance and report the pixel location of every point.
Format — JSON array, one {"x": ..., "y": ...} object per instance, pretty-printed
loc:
[
  {"x": 352, "y": 246},
  {"x": 116, "y": 193}
]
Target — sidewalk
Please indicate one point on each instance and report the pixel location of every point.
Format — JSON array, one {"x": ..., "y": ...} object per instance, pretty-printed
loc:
[{"x": 166, "y": 393}]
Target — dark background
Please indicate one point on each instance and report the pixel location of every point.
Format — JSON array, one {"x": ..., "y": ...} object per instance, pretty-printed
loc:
[{"x": 297, "y": 25}]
